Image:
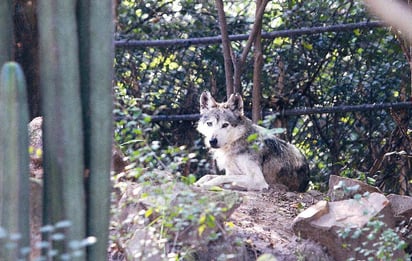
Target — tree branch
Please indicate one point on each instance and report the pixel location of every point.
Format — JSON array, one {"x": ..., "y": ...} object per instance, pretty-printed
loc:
[
  {"x": 227, "y": 49},
  {"x": 257, "y": 28}
]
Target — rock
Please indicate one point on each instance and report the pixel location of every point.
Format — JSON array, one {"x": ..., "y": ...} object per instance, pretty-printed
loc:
[
  {"x": 333, "y": 224},
  {"x": 402, "y": 209},
  {"x": 36, "y": 147},
  {"x": 310, "y": 251},
  {"x": 314, "y": 212},
  {"x": 143, "y": 245},
  {"x": 401, "y": 205},
  {"x": 345, "y": 188}
]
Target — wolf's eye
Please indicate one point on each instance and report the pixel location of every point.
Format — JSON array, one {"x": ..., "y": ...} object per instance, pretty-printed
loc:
[
  {"x": 209, "y": 123},
  {"x": 225, "y": 125}
]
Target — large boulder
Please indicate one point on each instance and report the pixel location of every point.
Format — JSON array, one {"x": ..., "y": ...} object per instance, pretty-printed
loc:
[{"x": 338, "y": 225}]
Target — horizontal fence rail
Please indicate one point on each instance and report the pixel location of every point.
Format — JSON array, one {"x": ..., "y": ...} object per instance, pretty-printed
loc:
[
  {"x": 301, "y": 111},
  {"x": 129, "y": 44}
]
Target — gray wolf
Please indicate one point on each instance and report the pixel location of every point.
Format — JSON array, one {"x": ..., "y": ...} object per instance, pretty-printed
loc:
[{"x": 252, "y": 157}]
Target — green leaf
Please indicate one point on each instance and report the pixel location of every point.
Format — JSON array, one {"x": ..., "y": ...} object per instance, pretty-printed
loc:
[
  {"x": 215, "y": 188},
  {"x": 210, "y": 220},
  {"x": 307, "y": 46},
  {"x": 201, "y": 229},
  {"x": 148, "y": 213},
  {"x": 252, "y": 137}
]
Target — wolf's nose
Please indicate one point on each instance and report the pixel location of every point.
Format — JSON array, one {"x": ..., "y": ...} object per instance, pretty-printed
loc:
[{"x": 213, "y": 143}]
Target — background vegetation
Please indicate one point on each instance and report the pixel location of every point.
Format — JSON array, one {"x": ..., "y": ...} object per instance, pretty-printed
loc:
[{"x": 360, "y": 66}]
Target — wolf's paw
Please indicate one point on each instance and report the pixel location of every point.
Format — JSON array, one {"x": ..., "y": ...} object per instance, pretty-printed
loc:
[{"x": 203, "y": 180}]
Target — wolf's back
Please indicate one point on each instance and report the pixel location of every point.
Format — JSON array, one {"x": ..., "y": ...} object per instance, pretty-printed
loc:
[{"x": 283, "y": 163}]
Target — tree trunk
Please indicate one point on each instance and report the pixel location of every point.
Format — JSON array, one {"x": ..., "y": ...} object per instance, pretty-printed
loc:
[
  {"x": 257, "y": 68},
  {"x": 27, "y": 50},
  {"x": 227, "y": 49}
]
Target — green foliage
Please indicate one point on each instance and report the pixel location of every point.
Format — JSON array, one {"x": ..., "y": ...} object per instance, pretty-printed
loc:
[
  {"x": 138, "y": 138},
  {"x": 328, "y": 69},
  {"x": 380, "y": 242},
  {"x": 175, "y": 214}
]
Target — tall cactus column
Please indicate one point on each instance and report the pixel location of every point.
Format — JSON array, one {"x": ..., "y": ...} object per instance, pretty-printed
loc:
[
  {"x": 64, "y": 197},
  {"x": 14, "y": 158},
  {"x": 96, "y": 63}
]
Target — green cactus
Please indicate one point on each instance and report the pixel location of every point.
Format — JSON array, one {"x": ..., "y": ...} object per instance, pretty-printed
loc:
[
  {"x": 76, "y": 69},
  {"x": 96, "y": 65},
  {"x": 76, "y": 66},
  {"x": 14, "y": 159},
  {"x": 63, "y": 161},
  {"x": 6, "y": 30}
]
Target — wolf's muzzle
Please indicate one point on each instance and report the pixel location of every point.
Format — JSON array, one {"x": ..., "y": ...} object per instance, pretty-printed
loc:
[{"x": 213, "y": 143}]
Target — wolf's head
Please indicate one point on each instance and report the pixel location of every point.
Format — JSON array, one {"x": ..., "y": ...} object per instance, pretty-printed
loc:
[{"x": 221, "y": 123}]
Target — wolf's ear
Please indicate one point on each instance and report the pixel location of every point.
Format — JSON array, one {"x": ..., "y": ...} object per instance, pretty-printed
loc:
[
  {"x": 206, "y": 102},
  {"x": 235, "y": 103}
]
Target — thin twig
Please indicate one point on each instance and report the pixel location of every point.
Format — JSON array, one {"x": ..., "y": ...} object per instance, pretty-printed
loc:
[{"x": 257, "y": 28}]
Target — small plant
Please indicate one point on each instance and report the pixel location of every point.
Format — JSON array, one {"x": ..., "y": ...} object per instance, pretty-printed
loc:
[
  {"x": 381, "y": 242},
  {"x": 341, "y": 190},
  {"x": 178, "y": 213}
]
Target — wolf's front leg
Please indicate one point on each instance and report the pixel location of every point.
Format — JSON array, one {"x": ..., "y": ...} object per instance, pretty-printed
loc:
[
  {"x": 249, "y": 172},
  {"x": 243, "y": 173},
  {"x": 238, "y": 182},
  {"x": 205, "y": 179}
]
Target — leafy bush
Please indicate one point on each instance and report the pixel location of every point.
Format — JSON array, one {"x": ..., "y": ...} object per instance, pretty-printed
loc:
[{"x": 179, "y": 220}]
